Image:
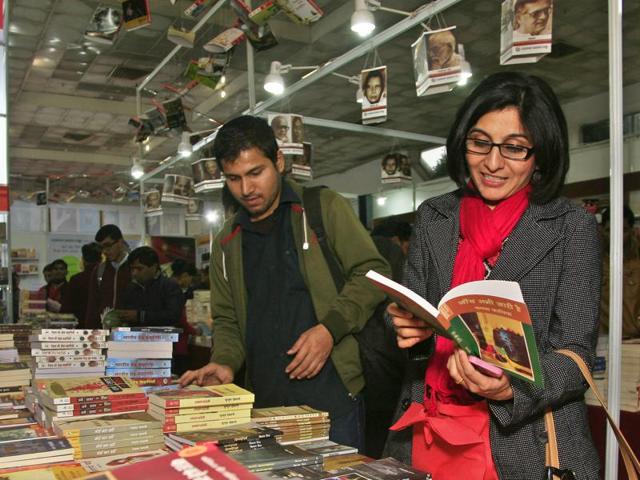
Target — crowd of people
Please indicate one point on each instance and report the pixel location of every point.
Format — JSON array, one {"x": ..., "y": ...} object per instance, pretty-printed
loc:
[{"x": 271, "y": 280}]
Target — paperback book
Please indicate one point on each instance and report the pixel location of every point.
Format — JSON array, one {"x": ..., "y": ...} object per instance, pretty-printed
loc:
[{"x": 488, "y": 319}]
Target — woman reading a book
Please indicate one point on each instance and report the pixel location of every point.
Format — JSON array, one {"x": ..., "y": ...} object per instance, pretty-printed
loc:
[{"x": 508, "y": 152}]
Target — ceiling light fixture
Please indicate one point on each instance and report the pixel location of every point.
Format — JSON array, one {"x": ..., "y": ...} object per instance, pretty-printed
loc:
[
  {"x": 211, "y": 216},
  {"x": 274, "y": 83},
  {"x": 465, "y": 67},
  {"x": 136, "y": 170},
  {"x": 362, "y": 21},
  {"x": 381, "y": 200},
  {"x": 184, "y": 147}
]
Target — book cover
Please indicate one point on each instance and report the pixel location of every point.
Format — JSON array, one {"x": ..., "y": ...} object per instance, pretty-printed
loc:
[
  {"x": 50, "y": 353},
  {"x": 89, "y": 409},
  {"x": 488, "y": 319},
  {"x": 193, "y": 426},
  {"x": 116, "y": 450},
  {"x": 68, "y": 345},
  {"x": 280, "y": 414},
  {"x": 147, "y": 436},
  {"x": 204, "y": 460},
  {"x": 194, "y": 396},
  {"x": 37, "y": 447},
  {"x": 115, "y": 461},
  {"x": 244, "y": 415},
  {"x": 135, "y": 14},
  {"x": 301, "y": 11},
  {"x": 138, "y": 363},
  {"x": 67, "y": 471},
  {"x": 223, "y": 436},
  {"x": 24, "y": 433},
  {"x": 327, "y": 448},
  {"x": 119, "y": 423},
  {"x": 275, "y": 456},
  {"x": 85, "y": 390},
  {"x": 123, "y": 336},
  {"x": 383, "y": 469},
  {"x": 17, "y": 422},
  {"x": 172, "y": 412},
  {"x": 140, "y": 372},
  {"x": 148, "y": 329},
  {"x": 9, "y": 368}
]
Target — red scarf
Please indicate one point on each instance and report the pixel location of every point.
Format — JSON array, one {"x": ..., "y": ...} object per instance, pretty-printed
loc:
[{"x": 482, "y": 232}]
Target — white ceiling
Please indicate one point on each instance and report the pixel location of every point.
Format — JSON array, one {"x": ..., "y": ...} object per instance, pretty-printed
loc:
[{"x": 69, "y": 109}]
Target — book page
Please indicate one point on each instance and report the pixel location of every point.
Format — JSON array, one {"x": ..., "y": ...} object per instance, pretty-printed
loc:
[{"x": 409, "y": 300}]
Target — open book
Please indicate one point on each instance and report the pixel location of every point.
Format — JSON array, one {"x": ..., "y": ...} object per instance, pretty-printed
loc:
[{"x": 488, "y": 319}]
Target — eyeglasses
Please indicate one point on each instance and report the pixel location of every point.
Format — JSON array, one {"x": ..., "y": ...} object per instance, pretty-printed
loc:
[
  {"x": 538, "y": 14},
  {"x": 507, "y": 150},
  {"x": 563, "y": 474}
]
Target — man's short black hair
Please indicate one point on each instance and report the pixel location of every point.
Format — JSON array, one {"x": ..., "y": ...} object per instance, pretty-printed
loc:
[
  {"x": 108, "y": 231},
  {"x": 145, "y": 255},
  {"x": 91, "y": 252},
  {"x": 393, "y": 228},
  {"x": 47, "y": 268},
  {"x": 179, "y": 266},
  {"x": 541, "y": 116},
  {"x": 244, "y": 133},
  {"x": 59, "y": 263},
  {"x": 627, "y": 215}
]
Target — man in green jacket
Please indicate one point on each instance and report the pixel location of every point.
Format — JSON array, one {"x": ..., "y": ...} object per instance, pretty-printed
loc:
[{"x": 275, "y": 306}]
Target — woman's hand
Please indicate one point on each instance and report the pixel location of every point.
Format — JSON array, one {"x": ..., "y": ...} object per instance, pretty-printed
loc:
[
  {"x": 476, "y": 382},
  {"x": 409, "y": 330}
]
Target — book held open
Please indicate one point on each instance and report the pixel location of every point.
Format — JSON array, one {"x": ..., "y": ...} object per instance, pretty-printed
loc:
[{"x": 488, "y": 319}]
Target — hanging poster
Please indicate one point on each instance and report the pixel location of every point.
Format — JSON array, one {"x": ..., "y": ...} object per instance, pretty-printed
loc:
[
  {"x": 224, "y": 41},
  {"x": 525, "y": 30},
  {"x": 395, "y": 168},
  {"x": 152, "y": 206},
  {"x": 206, "y": 175},
  {"x": 441, "y": 69},
  {"x": 289, "y": 132},
  {"x": 176, "y": 189},
  {"x": 136, "y": 14},
  {"x": 301, "y": 164},
  {"x": 374, "y": 95},
  {"x": 195, "y": 209}
]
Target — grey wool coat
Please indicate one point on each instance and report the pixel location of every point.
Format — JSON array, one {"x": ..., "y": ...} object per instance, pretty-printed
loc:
[{"x": 554, "y": 254}]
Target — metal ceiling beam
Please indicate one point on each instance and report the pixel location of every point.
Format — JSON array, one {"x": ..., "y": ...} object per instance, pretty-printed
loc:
[
  {"x": 420, "y": 15},
  {"x": 68, "y": 156},
  {"x": 96, "y": 105},
  {"x": 380, "y": 131}
]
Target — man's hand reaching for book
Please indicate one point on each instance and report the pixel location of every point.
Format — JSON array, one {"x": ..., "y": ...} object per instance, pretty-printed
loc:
[
  {"x": 465, "y": 374},
  {"x": 409, "y": 329},
  {"x": 210, "y": 374}
]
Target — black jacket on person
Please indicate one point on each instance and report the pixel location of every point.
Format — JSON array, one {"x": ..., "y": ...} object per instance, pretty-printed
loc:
[{"x": 158, "y": 303}]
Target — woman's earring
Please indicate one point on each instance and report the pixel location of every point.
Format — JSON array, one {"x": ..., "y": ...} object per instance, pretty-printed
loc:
[{"x": 536, "y": 177}]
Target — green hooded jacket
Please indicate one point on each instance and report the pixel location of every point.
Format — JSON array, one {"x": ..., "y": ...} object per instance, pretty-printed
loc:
[{"x": 343, "y": 314}]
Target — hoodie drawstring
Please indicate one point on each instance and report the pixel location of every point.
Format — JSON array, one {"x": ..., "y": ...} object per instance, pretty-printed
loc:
[
  {"x": 224, "y": 266},
  {"x": 305, "y": 245}
]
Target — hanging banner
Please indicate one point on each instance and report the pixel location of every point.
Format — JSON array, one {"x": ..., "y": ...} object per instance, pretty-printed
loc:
[
  {"x": 152, "y": 207},
  {"x": 206, "y": 175},
  {"x": 195, "y": 209},
  {"x": 395, "y": 168},
  {"x": 374, "y": 95},
  {"x": 136, "y": 14},
  {"x": 436, "y": 62},
  {"x": 289, "y": 132},
  {"x": 525, "y": 30},
  {"x": 176, "y": 189}
]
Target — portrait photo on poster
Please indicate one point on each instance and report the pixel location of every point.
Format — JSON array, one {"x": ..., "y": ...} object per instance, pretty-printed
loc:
[
  {"x": 281, "y": 128},
  {"x": 195, "y": 209},
  {"x": 532, "y": 17},
  {"x": 152, "y": 206},
  {"x": 374, "y": 82},
  {"x": 442, "y": 50},
  {"x": 395, "y": 167},
  {"x": 207, "y": 176},
  {"x": 176, "y": 188}
]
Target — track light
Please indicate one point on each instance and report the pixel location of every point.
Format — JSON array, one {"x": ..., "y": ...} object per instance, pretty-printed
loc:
[
  {"x": 184, "y": 147},
  {"x": 211, "y": 216},
  {"x": 359, "y": 95},
  {"x": 136, "y": 170},
  {"x": 274, "y": 83},
  {"x": 362, "y": 21},
  {"x": 381, "y": 200}
]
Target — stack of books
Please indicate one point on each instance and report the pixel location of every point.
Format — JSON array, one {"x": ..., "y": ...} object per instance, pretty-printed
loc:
[
  {"x": 13, "y": 377},
  {"x": 383, "y": 469},
  {"x": 33, "y": 306},
  {"x": 59, "y": 353},
  {"x": 20, "y": 434},
  {"x": 229, "y": 439},
  {"x": 126, "y": 433},
  {"x": 20, "y": 332},
  {"x": 327, "y": 448},
  {"x": 36, "y": 451},
  {"x": 8, "y": 351},
  {"x": 142, "y": 353},
  {"x": 275, "y": 456},
  {"x": 65, "y": 399},
  {"x": 100, "y": 464},
  {"x": 201, "y": 408},
  {"x": 298, "y": 423},
  {"x": 629, "y": 378}
]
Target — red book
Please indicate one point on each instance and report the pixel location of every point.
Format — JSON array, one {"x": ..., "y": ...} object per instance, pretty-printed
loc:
[{"x": 182, "y": 465}]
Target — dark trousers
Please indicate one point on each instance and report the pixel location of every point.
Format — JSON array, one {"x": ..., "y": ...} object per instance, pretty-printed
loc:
[{"x": 348, "y": 429}]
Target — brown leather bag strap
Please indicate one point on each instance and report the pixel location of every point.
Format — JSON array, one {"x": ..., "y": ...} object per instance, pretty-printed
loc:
[{"x": 629, "y": 458}]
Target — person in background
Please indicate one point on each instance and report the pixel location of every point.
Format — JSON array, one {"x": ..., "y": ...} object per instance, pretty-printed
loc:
[
  {"x": 508, "y": 151},
  {"x": 183, "y": 274},
  {"x": 392, "y": 240},
  {"x": 631, "y": 275},
  {"x": 151, "y": 299},
  {"x": 274, "y": 301},
  {"x": 110, "y": 278},
  {"x": 76, "y": 295},
  {"x": 57, "y": 286},
  {"x": 203, "y": 277}
]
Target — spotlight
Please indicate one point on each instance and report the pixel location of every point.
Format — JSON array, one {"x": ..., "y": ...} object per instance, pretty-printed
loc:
[
  {"x": 274, "y": 83},
  {"x": 381, "y": 200},
  {"x": 211, "y": 216},
  {"x": 184, "y": 147},
  {"x": 362, "y": 21},
  {"x": 136, "y": 170}
]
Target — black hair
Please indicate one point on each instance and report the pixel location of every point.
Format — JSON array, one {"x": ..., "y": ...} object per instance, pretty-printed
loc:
[
  {"x": 372, "y": 74},
  {"x": 179, "y": 266},
  {"x": 393, "y": 228},
  {"x": 521, "y": 3},
  {"x": 243, "y": 133},
  {"x": 541, "y": 116},
  {"x": 60, "y": 262},
  {"x": 47, "y": 268},
  {"x": 91, "y": 252},
  {"x": 393, "y": 156},
  {"x": 627, "y": 214},
  {"x": 145, "y": 255},
  {"x": 108, "y": 231}
]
